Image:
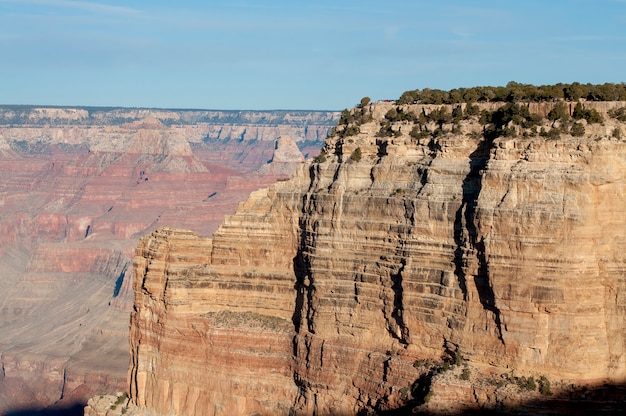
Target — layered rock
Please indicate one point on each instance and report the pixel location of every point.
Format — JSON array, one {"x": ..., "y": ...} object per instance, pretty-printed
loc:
[
  {"x": 285, "y": 159},
  {"x": 78, "y": 188},
  {"x": 321, "y": 294}
]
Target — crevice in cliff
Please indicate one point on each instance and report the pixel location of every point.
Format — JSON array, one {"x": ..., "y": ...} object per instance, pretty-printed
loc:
[
  {"x": 304, "y": 295},
  {"x": 398, "y": 329},
  {"x": 303, "y": 284},
  {"x": 466, "y": 235}
]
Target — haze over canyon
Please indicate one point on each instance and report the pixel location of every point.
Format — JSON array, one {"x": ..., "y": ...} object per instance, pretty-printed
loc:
[{"x": 78, "y": 188}]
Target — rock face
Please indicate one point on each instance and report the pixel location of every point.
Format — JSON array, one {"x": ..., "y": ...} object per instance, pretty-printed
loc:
[
  {"x": 285, "y": 159},
  {"x": 78, "y": 188},
  {"x": 322, "y": 294}
]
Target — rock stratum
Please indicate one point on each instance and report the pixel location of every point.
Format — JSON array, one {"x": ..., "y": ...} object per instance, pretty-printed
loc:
[
  {"x": 496, "y": 249},
  {"x": 78, "y": 188}
]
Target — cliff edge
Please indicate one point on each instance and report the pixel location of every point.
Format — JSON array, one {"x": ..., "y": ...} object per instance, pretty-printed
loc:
[{"x": 485, "y": 237}]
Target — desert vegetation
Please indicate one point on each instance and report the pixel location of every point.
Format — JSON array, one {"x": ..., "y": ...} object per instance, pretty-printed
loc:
[
  {"x": 442, "y": 113},
  {"x": 515, "y": 92}
]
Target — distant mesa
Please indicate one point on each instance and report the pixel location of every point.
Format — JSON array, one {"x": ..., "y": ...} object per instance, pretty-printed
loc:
[
  {"x": 151, "y": 122},
  {"x": 285, "y": 158}
]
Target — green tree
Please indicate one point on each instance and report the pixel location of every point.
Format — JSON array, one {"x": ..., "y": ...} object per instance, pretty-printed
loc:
[
  {"x": 579, "y": 112},
  {"x": 618, "y": 113},
  {"x": 346, "y": 116},
  {"x": 592, "y": 116},
  {"x": 457, "y": 113},
  {"x": 440, "y": 116},
  {"x": 392, "y": 114},
  {"x": 364, "y": 101},
  {"x": 559, "y": 112},
  {"x": 577, "y": 130},
  {"x": 471, "y": 110}
]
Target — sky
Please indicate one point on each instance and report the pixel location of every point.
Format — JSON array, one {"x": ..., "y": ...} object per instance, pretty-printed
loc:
[{"x": 296, "y": 54}]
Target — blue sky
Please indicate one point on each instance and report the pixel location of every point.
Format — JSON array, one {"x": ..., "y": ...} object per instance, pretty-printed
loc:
[{"x": 318, "y": 55}]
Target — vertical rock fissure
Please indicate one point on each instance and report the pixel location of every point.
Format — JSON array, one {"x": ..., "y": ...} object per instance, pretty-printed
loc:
[
  {"x": 466, "y": 236},
  {"x": 397, "y": 313},
  {"x": 301, "y": 268}
]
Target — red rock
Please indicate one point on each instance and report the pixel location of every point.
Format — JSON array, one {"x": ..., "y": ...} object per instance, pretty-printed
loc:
[{"x": 75, "y": 196}]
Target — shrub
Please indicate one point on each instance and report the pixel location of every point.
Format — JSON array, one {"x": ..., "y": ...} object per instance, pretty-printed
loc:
[
  {"x": 577, "y": 130},
  {"x": 457, "y": 113},
  {"x": 526, "y": 383},
  {"x": 346, "y": 116},
  {"x": 418, "y": 133},
  {"x": 122, "y": 398},
  {"x": 618, "y": 113},
  {"x": 421, "y": 390},
  {"x": 550, "y": 134},
  {"x": 392, "y": 114},
  {"x": 440, "y": 116},
  {"x": 404, "y": 393},
  {"x": 592, "y": 116},
  {"x": 532, "y": 120},
  {"x": 356, "y": 154},
  {"x": 544, "y": 386},
  {"x": 471, "y": 110},
  {"x": 457, "y": 358},
  {"x": 617, "y": 133},
  {"x": 579, "y": 112},
  {"x": 385, "y": 129},
  {"x": 321, "y": 158},
  {"x": 559, "y": 112},
  {"x": 465, "y": 375},
  {"x": 351, "y": 131},
  {"x": 485, "y": 117}
]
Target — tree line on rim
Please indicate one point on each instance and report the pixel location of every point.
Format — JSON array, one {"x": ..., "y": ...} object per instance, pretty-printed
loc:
[{"x": 514, "y": 91}]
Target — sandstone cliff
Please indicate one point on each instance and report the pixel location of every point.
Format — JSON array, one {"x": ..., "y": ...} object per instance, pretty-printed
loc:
[{"x": 326, "y": 294}]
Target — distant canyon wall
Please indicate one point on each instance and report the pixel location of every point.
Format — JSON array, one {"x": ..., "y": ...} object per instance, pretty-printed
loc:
[
  {"x": 78, "y": 188},
  {"x": 322, "y": 294}
]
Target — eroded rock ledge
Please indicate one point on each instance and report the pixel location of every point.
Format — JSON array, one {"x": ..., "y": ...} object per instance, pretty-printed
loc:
[{"x": 327, "y": 293}]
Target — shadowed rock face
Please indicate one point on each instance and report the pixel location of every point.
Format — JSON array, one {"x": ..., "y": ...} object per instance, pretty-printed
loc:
[
  {"x": 322, "y": 294},
  {"x": 77, "y": 190}
]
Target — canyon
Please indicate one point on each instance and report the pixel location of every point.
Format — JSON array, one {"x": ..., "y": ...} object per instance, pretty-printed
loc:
[
  {"x": 431, "y": 266},
  {"x": 79, "y": 187}
]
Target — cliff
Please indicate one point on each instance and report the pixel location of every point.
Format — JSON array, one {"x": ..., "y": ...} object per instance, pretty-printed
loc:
[
  {"x": 405, "y": 248},
  {"x": 78, "y": 188}
]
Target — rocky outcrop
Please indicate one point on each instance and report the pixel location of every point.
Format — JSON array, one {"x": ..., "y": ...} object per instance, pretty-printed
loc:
[
  {"x": 285, "y": 159},
  {"x": 78, "y": 188},
  {"x": 322, "y": 294}
]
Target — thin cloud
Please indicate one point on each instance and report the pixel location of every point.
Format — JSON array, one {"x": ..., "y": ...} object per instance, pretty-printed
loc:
[{"x": 88, "y": 6}]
